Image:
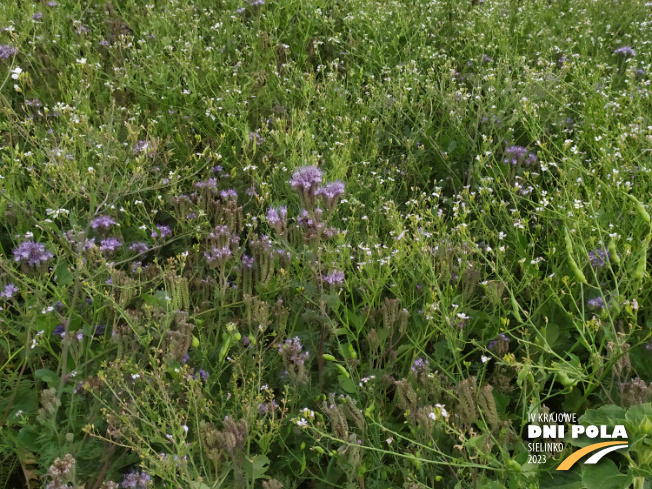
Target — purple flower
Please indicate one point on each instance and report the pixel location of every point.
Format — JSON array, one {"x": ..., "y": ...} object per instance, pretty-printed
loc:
[
  {"x": 102, "y": 222},
  {"x": 598, "y": 257},
  {"x": 331, "y": 192},
  {"x": 136, "y": 480},
  {"x": 247, "y": 261},
  {"x": 37, "y": 16},
  {"x": 336, "y": 277},
  {"x": 110, "y": 244},
  {"x": 161, "y": 231},
  {"x": 229, "y": 194},
  {"x": 420, "y": 366},
  {"x": 6, "y": 51},
  {"x": 217, "y": 169},
  {"x": 202, "y": 374},
  {"x": 32, "y": 253},
  {"x": 60, "y": 330},
  {"x": 52, "y": 4},
  {"x": 519, "y": 154},
  {"x": 293, "y": 351},
  {"x": 139, "y": 247},
  {"x": 104, "y": 42},
  {"x": 218, "y": 255},
  {"x": 306, "y": 178},
  {"x": 99, "y": 329},
  {"x": 501, "y": 339},
  {"x": 625, "y": 52},
  {"x": 9, "y": 291},
  {"x": 277, "y": 217},
  {"x": 211, "y": 184},
  {"x": 141, "y": 146},
  {"x": 596, "y": 302}
]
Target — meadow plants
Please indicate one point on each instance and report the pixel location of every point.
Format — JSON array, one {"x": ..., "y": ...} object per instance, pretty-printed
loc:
[{"x": 321, "y": 244}]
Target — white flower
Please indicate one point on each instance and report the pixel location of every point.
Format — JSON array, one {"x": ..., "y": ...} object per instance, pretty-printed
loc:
[
  {"x": 15, "y": 73},
  {"x": 81, "y": 61},
  {"x": 302, "y": 423},
  {"x": 432, "y": 416},
  {"x": 485, "y": 359},
  {"x": 390, "y": 440}
]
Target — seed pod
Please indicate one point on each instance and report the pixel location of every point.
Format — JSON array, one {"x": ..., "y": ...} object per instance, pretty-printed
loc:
[
  {"x": 640, "y": 208},
  {"x": 517, "y": 314},
  {"x": 613, "y": 252},
  {"x": 328, "y": 357},
  {"x": 579, "y": 276},
  {"x": 343, "y": 370}
]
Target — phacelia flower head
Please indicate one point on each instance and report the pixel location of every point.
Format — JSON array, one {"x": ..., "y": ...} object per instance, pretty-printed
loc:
[
  {"x": 277, "y": 217},
  {"x": 9, "y": 291},
  {"x": 137, "y": 480},
  {"x": 139, "y": 247},
  {"x": 519, "y": 155},
  {"x": 6, "y": 51},
  {"x": 161, "y": 231},
  {"x": 110, "y": 244},
  {"x": 306, "y": 180},
  {"x": 625, "y": 52},
  {"x": 32, "y": 253},
  {"x": 330, "y": 193},
  {"x": 598, "y": 257},
  {"x": 229, "y": 194},
  {"x": 336, "y": 277},
  {"x": 102, "y": 222}
]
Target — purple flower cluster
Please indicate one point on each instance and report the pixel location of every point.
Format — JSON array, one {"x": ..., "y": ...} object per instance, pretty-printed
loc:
[
  {"x": 229, "y": 194},
  {"x": 420, "y": 366},
  {"x": 277, "y": 217},
  {"x": 502, "y": 339},
  {"x": 336, "y": 277},
  {"x": 6, "y": 51},
  {"x": 598, "y": 257},
  {"x": 218, "y": 255},
  {"x": 292, "y": 350},
  {"x": 102, "y": 222},
  {"x": 139, "y": 247},
  {"x": 9, "y": 291},
  {"x": 596, "y": 302},
  {"x": 201, "y": 374},
  {"x": 161, "y": 231},
  {"x": 519, "y": 154},
  {"x": 625, "y": 52},
  {"x": 136, "y": 480},
  {"x": 330, "y": 193},
  {"x": 110, "y": 244},
  {"x": 32, "y": 253}
]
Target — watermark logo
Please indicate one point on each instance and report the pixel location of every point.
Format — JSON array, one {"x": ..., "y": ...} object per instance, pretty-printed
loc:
[{"x": 549, "y": 427}]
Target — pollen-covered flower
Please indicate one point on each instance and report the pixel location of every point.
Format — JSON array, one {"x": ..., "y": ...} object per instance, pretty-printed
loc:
[{"x": 32, "y": 253}]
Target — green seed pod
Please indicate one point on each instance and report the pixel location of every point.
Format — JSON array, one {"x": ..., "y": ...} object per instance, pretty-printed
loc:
[
  {"x": 195, "y": 341},
  {"x": 328, "y": 357},
  {"x": 517, "y": 314},
  {"x": 640, "y": 208},
  {"x": 343, "y": 370},
  {"x": 579, "y": 276},
  {"x": 613, "y": 252}
]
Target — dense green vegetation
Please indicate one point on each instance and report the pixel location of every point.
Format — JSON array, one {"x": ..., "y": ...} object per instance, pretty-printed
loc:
[{"x": 322, "y": 244}]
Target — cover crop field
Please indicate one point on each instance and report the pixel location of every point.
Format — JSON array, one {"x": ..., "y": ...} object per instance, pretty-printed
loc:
[{"x": 318, "y": 244}]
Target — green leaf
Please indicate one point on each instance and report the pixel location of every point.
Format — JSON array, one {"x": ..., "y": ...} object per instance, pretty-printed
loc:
[
  {"x": 346, "y": 384},
  {"x": 62, "y": 273},
  {"x": 256, "y": 467},
  {"x": 47, "y": 376},
  {"x": 561, "y": 480},
  {"x": 605, "y": 475}
]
